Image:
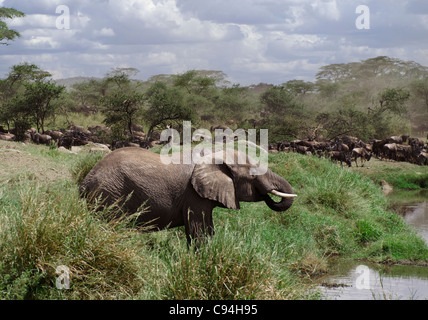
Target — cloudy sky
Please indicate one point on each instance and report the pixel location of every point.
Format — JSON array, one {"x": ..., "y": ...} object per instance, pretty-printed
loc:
[{"x": 252, "y": 41}]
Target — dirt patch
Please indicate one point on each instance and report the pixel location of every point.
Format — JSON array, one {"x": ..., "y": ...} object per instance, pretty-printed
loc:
[
  {"x": 386, "y": 187},
  {"x": 17, "y": 163}
]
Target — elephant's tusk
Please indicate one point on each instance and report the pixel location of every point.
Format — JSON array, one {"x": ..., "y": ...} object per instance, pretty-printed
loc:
[{"x": 283, "y": 195}]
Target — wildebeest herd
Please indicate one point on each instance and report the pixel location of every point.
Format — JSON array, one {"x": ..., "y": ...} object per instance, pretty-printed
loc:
[
  {"x": 347, "y": 149},
  {"x": 79, "y": 136},
  {"x": 343, "y": 149}
]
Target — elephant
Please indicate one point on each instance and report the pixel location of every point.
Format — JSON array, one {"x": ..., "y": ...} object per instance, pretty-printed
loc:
[{"x": 181, "y": 194}]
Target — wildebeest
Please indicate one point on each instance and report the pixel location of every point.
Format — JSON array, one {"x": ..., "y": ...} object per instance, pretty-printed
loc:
[
  {"x": 397, "y": 139},
  {"x": 389, "y": 151},
  {"x": 361, "y": 153},
  {"x": 73, "y": 138},
  {"x": 54, "y": 134},
  {"x": 417, "y": 144},
  {"x": 340, "y": 156},
  {"x": 40, "y": 138},
  {"x": 422, "y": 159}
]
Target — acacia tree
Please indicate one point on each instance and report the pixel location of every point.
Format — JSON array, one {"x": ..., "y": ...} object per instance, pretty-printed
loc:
[
  {"x": 195, "y": 83},
  {"x": 13, "y": 88},
  {"x": 419, "y": 89},
  {"x": 122, "y": 101},
  {"x": 88, "y": 92},
  {"x": 6, "y": 33},
  {"x": 38, "y": 97},
  {"x": 231, "y": 103},
  {"x": 122, "y": 108},
  {"x": 299, "y": 87},
  {"x": 392, "y": 100},
  {"x": 283, "y": 113},
  {"x": 345, "y": 121},
  {"x": 166, "y": 107},
  {"x": 392, "y": 103}
]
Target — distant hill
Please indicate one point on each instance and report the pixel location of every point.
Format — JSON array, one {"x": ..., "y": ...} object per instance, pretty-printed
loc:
[{"x": 69, "y": 82}]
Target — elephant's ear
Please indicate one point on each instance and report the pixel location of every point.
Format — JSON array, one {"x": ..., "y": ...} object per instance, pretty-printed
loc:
[{"x": 214, "y": 182}]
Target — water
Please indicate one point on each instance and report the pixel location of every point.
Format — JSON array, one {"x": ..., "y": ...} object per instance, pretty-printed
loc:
[
  {"x": 417, "y": 216},
  {"x": 363, "y": 281}
]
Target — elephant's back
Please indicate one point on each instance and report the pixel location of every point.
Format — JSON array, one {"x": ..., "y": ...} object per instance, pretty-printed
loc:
[{"x": 138, "y": 171}]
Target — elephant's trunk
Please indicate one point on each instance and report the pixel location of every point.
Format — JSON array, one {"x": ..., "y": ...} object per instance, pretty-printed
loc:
[{"x": 281, "y": 189}]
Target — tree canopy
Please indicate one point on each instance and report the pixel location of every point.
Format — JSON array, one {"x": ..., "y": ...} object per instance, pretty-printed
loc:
[
  {"x": 373, "y": 98},
  {"x": 6, "y": 33}
]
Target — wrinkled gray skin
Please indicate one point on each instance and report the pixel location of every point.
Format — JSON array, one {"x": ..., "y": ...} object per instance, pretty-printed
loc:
[{"x": 180, "y": 194}]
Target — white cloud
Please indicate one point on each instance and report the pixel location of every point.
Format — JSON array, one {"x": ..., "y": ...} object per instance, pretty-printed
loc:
[
  {"x": 40, "y": 42},
  {"x": 104, "y": 32},
  {"x": 34, "y": 21},
  {"x": 327, "y": 9},
  {"x": 161, "y": 58},
  {"x": 296, "y": 17},
  {"x": 250, "y": 40}
]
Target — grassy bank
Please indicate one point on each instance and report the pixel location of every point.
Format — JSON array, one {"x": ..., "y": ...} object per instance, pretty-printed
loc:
[
  {"x": 255, "y": 254},
  {"x": 400, "y": 175}
]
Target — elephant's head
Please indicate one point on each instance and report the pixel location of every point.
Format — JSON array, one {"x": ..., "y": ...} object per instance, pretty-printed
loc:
[{"x": 229, "y": 184}]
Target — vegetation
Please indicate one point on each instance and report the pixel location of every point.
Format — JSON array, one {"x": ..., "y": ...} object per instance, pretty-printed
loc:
[
  {"x": 122, "y": 104},
  {"x": 374, "y": 98},
  {"x": 400, "y": 175},
  {"x": 5, "y": 32},
  {"x": 167, "y": 107},
  {"x": 28, "y": 97},
  {"x": 256, "y": 253}
]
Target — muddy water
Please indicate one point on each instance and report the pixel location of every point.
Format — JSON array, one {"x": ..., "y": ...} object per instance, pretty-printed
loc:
[{"x": 363, "y": 281}]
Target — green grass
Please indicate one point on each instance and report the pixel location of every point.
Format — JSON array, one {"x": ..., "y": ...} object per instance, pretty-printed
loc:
[
  {"x": 84, "y": 164},
  {"x": 256, "y": 253},
  {"x": 400, "y": 175}
]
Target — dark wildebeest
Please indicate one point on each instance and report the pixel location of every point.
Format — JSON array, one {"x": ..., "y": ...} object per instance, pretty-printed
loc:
[{"x": 340, "y": 156}]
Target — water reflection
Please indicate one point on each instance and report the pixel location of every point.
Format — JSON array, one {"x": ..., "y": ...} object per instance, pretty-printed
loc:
[
  {"x": 362, "y": 281},
  {"x": 370, "y": 282},
  {"x": 417, "y": 216}
]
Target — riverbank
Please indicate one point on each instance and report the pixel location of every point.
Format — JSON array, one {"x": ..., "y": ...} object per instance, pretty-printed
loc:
[
  {"x": 395, "y": 280},
  {"x": 255, "y": 254},
  {"x": 399, "y": 175}
]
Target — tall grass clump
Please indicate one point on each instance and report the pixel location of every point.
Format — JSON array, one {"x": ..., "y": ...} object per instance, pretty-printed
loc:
[
  {"x": 50, "y": 228},
  {"x": 84, "y": 164},
  {"x": 231, "y": 265}
]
